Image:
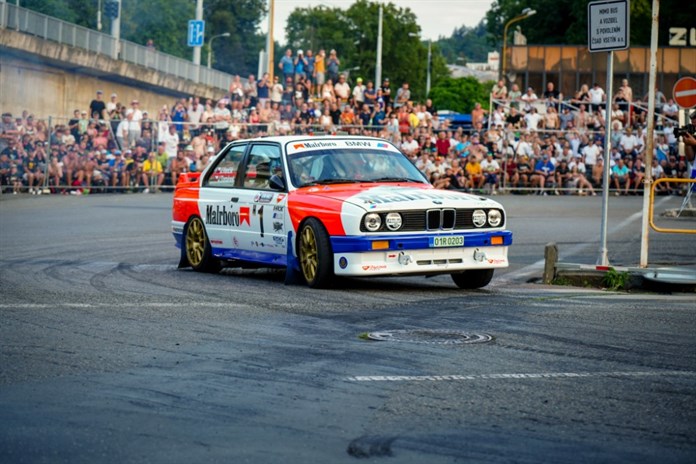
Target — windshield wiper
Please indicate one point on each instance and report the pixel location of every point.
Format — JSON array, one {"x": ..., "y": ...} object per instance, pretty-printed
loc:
[{"x": 396, "y": 179}]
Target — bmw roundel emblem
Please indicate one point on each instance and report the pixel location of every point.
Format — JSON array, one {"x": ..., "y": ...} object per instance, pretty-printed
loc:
[{"x": 343, "y": 262}]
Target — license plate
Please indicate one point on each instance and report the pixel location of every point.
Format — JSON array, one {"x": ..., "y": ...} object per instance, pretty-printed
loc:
[{"x": 448, "y": 241}]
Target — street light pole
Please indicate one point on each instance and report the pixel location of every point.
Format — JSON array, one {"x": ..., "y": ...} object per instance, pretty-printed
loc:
[
  {"x": 378, "y": 65},
  {"x": 210, "y": 45},
  {"x": 427, "y": 79},
  {"x": 526, "y": 13}
]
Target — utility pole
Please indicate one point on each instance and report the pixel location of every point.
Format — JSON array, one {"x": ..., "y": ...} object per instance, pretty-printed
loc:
[
  {"x": 199, "y": 16},
  {"x": 378, "y": 65}
]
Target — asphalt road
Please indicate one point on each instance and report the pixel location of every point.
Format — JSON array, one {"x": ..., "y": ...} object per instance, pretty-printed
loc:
[{"x": 108, "y": 353}]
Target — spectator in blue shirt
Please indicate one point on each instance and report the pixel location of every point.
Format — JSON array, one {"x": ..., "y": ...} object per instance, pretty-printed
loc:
[
  {"x": 543, "y": 175},
  {"x": 287, "y": 65}
]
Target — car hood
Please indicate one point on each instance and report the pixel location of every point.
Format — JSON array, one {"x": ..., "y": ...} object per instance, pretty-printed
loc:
[{"x": 381, "y": 197}]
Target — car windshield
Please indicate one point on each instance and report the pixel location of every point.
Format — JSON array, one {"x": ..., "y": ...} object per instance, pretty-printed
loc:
[{"x": 344, "y": 165}]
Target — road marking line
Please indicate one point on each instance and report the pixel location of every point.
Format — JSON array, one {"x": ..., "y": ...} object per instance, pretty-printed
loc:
[
  {"x": 548, "y": 375},
  {"x": 120, "y": 305}
]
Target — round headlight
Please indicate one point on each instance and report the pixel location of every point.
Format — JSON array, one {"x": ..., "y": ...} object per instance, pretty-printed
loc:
[
  {"x": 479, "y": 218},
  {"x": 393, "y": 221},
  {"x": 495, "y": 217},
  {"x": 372, "y": 222}
]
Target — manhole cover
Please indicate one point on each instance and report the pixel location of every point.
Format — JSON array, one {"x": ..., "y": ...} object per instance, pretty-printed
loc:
[{"x": 440, "y": 337}]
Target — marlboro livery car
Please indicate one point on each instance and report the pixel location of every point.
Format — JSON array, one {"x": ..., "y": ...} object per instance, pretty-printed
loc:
[{"x": 333, "y": 206}]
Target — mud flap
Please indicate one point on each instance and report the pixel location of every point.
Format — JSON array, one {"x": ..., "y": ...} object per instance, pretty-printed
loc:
[{"x": 293, "y": 275}]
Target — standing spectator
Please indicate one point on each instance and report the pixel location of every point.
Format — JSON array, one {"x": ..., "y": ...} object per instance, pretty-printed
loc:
[
  {"x": 122, "y": 131},
  {"x": 222, "y": 118},
  {"x": 97, "y": 107},
  {"x": 499, "y": 90},
  {"x": 300, "y": 64},
  {"x": 309, "y": 71},
  {"x": 597, "y": 97},
  {"x": 531, "y": 119},
  {"x": 178, "y": 117},
  {"x": 342, "y": 91},
  {"x": 386, "y": 92},
  {"x": 171, "y": 142},
  {"x": 514, "y": 95},
  {"x": 111, "y": 105},
  {"x": 263, "y": 90},
  {"x": 8, "y": 130},
  {"x": 552, "y": 95},
  {"x": 529, "y": 98},
  {"x": 319, "y": 71},
  {"x": 194, "y": 115},
  {"x": 251, "y": 91},
  {"x": 287, "y": 65},
  {"x": 332, "y": 66},
  {"x": 403, "y": 95},
  {"x": 359, "y": 93},
  {"x": 478, "y": 114},
  {"x": 276, "y": 91}
]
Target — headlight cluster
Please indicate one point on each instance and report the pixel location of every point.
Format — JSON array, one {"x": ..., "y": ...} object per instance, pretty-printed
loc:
[
  {"x": 494, "y": 218},
  {"x": 373, "y": 221}
]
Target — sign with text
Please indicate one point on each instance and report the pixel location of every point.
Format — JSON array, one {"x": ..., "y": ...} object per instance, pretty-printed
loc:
[{"x": 608, "y": 25}]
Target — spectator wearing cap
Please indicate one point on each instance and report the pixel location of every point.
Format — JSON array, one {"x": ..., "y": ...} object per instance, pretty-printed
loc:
[
  {"x": 359, "y": 93},
  {"x": 97, "y": 107}
]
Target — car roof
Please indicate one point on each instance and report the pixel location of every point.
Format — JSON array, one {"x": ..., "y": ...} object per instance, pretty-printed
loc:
[{"x": 295, "y": 138}]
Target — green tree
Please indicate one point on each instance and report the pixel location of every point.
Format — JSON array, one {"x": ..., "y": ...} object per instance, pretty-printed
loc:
[
  {"x": 466, "y": 44},
  {"x": 461, "y": 94}
]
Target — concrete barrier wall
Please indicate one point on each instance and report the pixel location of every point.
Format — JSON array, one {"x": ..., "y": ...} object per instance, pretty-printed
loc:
[{"x": 48, "y": 78}]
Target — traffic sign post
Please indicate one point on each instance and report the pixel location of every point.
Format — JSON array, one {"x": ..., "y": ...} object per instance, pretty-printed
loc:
[
  {"x": 684, "y": 92},
  {"x": 196, "y": 33},
  {"x": 607, "y": 30}
]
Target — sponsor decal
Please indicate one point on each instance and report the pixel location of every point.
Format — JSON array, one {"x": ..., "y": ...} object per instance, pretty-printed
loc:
[
  {"x": 244, "y": 215},
  {"x": 277, "y": 226},
  {"x": 374, "y": 267},
  {"x": 235, "y": 242},
  {"x": 314, "y": 145},
  {"x": 496, "y": 261},
  {"x": 216, "y": 242},
  {"x": 279, "y": 208},
  {"x": 221, "y": 216},
  {"x": 280, "y": 197},
  {"x": 391, "y": 257},
  {"x": 277, "y": 215},
  {"x": 280, "y": 241},
  {"x": 343, "y": 262},
  {"x": 263, "y": 197},
  {"x": 381, "y": 198},
  {"x": 355, "y": 143},
  {"x": 178, "y": 229},
  {"x": 382, "y": 145}
]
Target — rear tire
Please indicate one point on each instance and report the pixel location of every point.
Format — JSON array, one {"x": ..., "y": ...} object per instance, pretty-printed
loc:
[
  {"x": 473, "y": 279},
  {"x": 315, "y": 254},
  {"x": 199, "y": 253}
]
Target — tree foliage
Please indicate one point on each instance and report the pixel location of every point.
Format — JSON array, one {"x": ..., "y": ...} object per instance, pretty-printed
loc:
[
  {"x": 466, "y": 44},
  {"x": 460, "y": 95}
]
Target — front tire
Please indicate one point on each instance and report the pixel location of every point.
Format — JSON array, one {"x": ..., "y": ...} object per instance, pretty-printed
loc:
[
  {"x": 473, "y": 279},
  {"x": 315, "y": 254},
  {"x": 198, "y": 250}
]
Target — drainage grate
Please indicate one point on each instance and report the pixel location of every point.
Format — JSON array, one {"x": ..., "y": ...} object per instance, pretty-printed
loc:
[{"x": 428, "y": 336}]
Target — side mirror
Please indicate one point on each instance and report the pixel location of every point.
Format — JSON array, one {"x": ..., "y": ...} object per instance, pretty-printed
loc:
[{"x": 277, "y": 183}]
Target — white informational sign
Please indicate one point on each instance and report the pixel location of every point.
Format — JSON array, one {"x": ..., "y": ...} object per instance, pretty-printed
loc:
[{"x": 608, "y": 25}]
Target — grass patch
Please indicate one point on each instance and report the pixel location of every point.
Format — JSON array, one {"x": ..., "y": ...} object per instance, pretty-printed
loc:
[{"x": 614, "y": 280}]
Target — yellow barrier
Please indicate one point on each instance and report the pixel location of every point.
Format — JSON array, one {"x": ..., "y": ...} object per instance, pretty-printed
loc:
[{"x": 652, "y": 199}]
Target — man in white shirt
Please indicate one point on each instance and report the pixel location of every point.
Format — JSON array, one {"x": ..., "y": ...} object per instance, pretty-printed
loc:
[
  {"x": 597, "y": 97},
  {"x": 359, "y": 93},
  {"x": 409, "y": 146},
  {"x": 629, "y": 143},
  {"x": 195, "y": 112}
]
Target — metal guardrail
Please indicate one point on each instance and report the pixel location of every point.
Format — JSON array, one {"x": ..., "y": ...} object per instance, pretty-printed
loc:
[
  {"x": 686, "y": 200},
  {"x": 50, "y": 28}
]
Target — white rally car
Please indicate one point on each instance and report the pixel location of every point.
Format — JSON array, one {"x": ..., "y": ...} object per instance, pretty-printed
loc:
[{"x": 333, "y": 206}]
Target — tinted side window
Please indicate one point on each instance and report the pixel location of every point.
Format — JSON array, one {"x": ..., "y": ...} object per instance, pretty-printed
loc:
[
  {"x": 263, "y": 162},
  {"x": 224, "y": 173}
]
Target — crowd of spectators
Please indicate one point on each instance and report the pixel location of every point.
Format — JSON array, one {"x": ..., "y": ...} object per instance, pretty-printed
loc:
[{"x": 526, "y": 144}]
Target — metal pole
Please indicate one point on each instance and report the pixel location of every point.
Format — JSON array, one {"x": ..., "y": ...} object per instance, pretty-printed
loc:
[
  {"x": 116, "y": 31},
  {"x": 378, "y": 65},
  {"x": 603, "y": 259},
  {"x": 427, "y": 81},
  {"x": 99, "y": 16},
  {"x": 199, "y": 16},
  {"x": 647, "y": 182},
  {"x": 269, "y": 40}
]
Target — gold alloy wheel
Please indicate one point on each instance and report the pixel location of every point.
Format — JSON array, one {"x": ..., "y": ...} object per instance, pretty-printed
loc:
[
  {"x": 309, "y": 254},
  {"x": 195, "y": 242}
]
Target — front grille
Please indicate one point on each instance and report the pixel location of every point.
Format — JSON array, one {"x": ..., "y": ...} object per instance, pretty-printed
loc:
[{"x": 435, "y": 219}]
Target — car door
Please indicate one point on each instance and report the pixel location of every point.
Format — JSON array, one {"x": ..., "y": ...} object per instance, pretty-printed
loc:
[
  {"x": 218, "y": 201},
  {"x": 263, "y": 236}
]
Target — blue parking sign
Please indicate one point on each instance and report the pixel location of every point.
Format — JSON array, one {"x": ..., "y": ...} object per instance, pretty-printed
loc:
[{"x": 196, "y": 32}]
